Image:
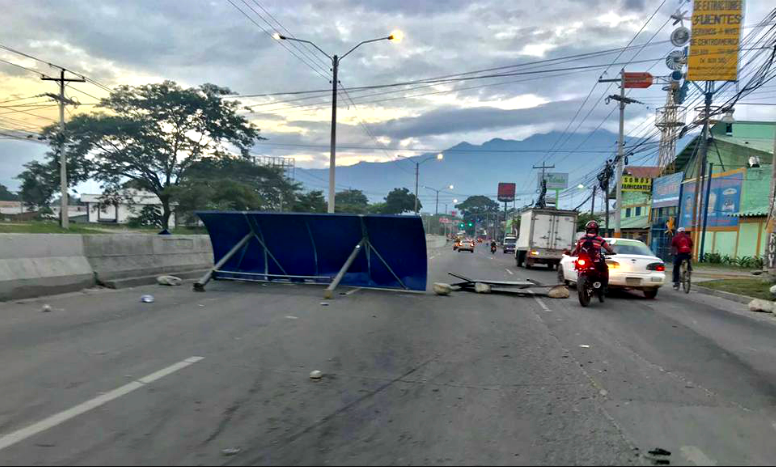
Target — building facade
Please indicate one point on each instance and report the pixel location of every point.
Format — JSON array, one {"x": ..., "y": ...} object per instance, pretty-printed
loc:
[{"x": 120, "y": 209}]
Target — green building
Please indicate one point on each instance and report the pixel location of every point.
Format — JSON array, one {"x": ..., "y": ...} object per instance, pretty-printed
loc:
[{"x": 739, "y": 156}]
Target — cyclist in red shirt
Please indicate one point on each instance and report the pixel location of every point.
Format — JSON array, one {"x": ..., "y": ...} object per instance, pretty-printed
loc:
[{"x": 681, "y": 246}]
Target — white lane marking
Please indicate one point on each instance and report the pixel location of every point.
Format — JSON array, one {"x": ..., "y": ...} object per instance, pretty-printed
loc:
[
  {"x": 696, "y": 456},
  {"x": 510, "y": 272},
  {"x": 62, "y": 417},
  {"x": 541, "y": 303},
  {"x": 291, "y": 317},
  {"x": 351, "y": 292}
]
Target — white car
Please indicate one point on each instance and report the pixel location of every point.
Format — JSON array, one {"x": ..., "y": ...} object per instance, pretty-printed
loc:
[{"x": 633, "y": 267}]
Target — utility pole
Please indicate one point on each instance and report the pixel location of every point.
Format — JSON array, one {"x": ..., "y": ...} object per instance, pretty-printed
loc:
[
  {"x": 64, "y": 215},
  {"x": 701, "y": 162},
  {"x": 592, "y": 203},
  {"x": 624, "y": 101},
  {"x": 543, "y": 167},
  {"x": 417, "y": 178},
  {"x": 333, "y": 156}
]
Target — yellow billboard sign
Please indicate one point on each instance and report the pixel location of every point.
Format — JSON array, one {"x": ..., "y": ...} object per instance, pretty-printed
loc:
[
  {"x": 636, "y": 184},
  {"x": 716, "y": 38}
]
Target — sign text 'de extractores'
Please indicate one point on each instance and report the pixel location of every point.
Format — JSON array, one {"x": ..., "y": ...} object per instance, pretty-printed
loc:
[{"x": 716, "y": 38}]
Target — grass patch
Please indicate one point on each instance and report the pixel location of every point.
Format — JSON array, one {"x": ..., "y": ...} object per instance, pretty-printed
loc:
[
  {"x": 45, "y": 228},
  {"x": 755, "y": 288}
]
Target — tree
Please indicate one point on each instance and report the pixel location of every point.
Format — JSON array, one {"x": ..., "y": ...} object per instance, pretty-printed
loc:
[
  {"x": 6, "y": 195},
  {"x": 235, "y": 184},
  {"x": 351, "y": 201},
  {"x": 310, "y": 202},
  {"x": 41, "y": 180},
  {"x": 400, "y": 200},
  {"x": 153, "y": 134},
  {"x": 149, "y": 216},
  {"x": 476, "y": 205}
]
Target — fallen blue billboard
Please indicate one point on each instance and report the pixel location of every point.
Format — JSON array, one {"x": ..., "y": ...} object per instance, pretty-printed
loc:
[{"x": 361, "y": 251}]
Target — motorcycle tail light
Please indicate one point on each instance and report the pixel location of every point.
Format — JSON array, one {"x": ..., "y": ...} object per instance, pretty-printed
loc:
[{"x": 581, "y": 262}]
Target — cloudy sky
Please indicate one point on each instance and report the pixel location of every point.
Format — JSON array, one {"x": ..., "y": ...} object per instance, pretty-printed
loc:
[{"x": 228, "y": 43}]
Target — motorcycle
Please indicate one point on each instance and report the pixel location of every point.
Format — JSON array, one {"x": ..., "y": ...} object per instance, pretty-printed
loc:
[
  {"x": 493, "y": 249},
  {"x": 589, "y": 281}
]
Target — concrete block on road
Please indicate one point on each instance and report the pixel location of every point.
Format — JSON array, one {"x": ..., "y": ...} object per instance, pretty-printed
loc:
[
  {"x": 441, "y": 288},
  {"x": 560, "y": 291},
  {"x": 479, "y": 287},
  {"x": 763, "y": 306}
]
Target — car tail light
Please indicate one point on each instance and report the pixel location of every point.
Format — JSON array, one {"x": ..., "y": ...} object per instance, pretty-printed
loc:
[
  {"x": 613, "y": 264},
  {"x": 659, "y": 267}
]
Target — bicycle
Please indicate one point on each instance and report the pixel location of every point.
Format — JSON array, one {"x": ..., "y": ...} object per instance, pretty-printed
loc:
[{"x": 685, "y": 277}]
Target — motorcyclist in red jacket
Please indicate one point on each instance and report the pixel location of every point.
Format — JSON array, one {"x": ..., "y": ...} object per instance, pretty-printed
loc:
[{"x": 590, "y": 246}]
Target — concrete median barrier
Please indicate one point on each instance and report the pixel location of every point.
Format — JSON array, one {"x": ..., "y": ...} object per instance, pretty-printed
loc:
[
  {"x": 118, "y": 259},
  {"x": 38, "y": 265},
  {"x": 35, "y": 265}
]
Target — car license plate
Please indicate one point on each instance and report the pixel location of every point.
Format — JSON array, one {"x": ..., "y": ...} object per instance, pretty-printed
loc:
[
  {"x": 657, "y": 279},
  {"x": 633, "y": 281}
]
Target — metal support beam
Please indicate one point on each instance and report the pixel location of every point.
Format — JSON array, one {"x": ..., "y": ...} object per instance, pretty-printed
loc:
[
  {"x": 329, "y": 293},
  {"x": 199, "y": 286}
]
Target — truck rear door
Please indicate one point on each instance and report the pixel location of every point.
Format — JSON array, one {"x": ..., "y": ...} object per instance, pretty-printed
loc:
[
  {"x": 543, "y": 235},
  {"x": 564, "y": 232}
]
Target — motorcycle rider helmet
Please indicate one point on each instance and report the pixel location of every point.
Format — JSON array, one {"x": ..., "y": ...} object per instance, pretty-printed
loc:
[
  {"x": 592, "y": 227},
  {"x": 680, "y": 229}
]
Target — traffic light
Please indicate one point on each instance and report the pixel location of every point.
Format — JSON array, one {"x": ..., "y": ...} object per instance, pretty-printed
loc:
[
  {"x": 471, "y": 224},
  {"x": 461, "y": 225}
]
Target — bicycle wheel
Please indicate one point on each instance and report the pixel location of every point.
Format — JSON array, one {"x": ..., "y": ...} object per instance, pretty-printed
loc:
[{"x": 686, "y": 278}]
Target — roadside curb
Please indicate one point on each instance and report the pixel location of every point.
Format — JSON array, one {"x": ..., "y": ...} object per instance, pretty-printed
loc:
[{"x": 726, "y": 295}]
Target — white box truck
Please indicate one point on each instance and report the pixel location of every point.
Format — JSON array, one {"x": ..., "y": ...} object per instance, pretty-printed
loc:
[{"x": 544, "y": 235}]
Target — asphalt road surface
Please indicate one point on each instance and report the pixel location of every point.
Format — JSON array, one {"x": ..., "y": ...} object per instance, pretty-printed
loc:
[{"x": 408, "y": 379}]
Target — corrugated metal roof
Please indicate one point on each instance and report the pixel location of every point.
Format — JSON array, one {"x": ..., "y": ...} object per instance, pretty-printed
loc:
[
  {"x": 762, "y": 145},
  {"x": 754, "y": 212}
]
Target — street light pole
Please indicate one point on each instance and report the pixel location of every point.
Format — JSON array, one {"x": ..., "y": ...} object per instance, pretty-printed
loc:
[
  {"x": 437, "y": 195},
  {"x": 335, "y": 61},
  {"x": 333, "y": 156}
]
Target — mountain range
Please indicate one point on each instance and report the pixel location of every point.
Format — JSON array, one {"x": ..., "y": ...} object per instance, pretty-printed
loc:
[{"x": 473, "y": 169}]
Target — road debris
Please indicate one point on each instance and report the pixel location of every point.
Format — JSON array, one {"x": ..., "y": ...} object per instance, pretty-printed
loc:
[
  {"x": 316, "y": 375},
  {"x": 46, "y": 308},
  {"x": 762, "y": 306},
  {"x": 147, "y": 299},
  {"x": 559, "y": 291},
  {"x": 479, "y": 287},
  {"x": 324, "y": 303},
  {"x": 231, "y": 452},
  {"x": 660, "y": 452},
  {"x": 169, "y": 280},
  {"x": 440, "y": 288},
  {"x": 291, "y": 317},
  {"x": 585, "y": 346},
  {"x": 514, "y": 288}
]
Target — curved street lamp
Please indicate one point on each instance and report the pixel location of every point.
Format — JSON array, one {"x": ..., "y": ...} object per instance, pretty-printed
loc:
[{"x": 395, "y": 36}]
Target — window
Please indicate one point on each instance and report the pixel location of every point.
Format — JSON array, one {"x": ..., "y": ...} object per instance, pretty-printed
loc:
[
  {"x": 638, "y": 211},
  {"x": 729, "y": 129},
  {"x": 628, "y": 212}
]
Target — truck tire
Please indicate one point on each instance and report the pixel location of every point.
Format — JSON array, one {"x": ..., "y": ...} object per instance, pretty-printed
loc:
[
  {"x": 529, "y": 263},
  {"x": 519, "y": 258}
]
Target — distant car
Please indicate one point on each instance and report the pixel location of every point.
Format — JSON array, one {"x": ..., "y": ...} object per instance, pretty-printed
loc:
[
  {"x": 466, "y": 245},
  {"x": 479, "y": 240},
  {"x": 457, "y": 244},
  {"x": 509, "y": 244},
  {"x": 634, "y": 267}
]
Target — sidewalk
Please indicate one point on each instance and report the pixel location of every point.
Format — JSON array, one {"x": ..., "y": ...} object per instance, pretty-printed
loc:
[{"x": 703, "y": 272}]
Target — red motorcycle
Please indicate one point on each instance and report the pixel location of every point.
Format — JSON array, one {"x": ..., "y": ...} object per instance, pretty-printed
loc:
[{"x": 589, "y": 281}]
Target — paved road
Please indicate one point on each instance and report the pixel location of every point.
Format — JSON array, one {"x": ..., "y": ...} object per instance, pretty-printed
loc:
[{"x": 410, "y": 379}]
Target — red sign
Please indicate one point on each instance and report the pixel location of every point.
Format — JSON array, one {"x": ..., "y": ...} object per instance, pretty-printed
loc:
[
  {"x": 506, "y": 192},
  {"x": 638, "y": 80},
  {"x": 444, "y": 220},
  {"x": 454, "y": 213}
]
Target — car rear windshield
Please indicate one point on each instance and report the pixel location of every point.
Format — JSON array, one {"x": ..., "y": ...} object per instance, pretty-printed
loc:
[{"x": 632, "y": 248}]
